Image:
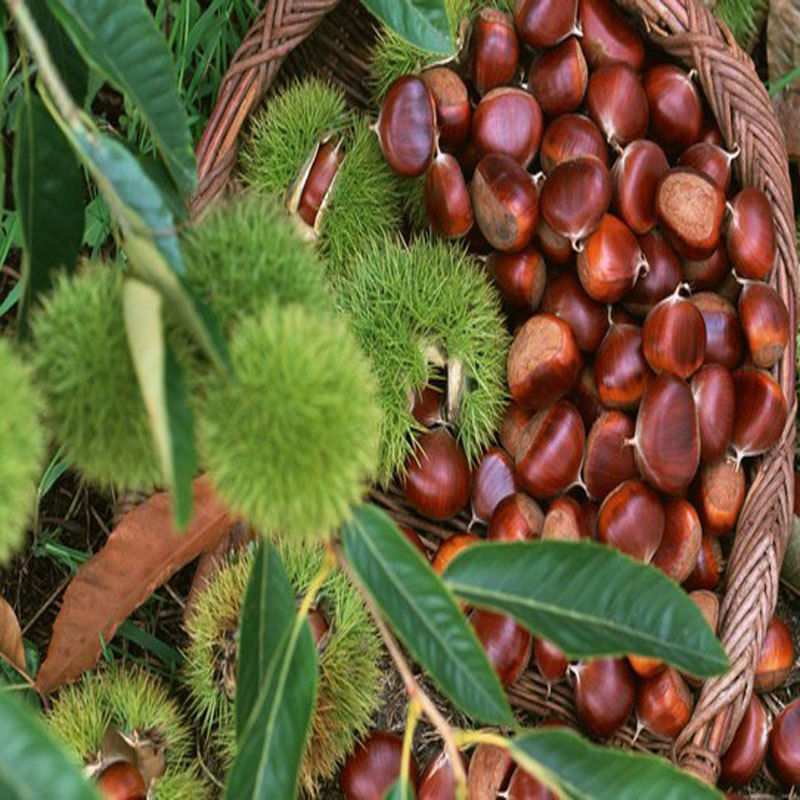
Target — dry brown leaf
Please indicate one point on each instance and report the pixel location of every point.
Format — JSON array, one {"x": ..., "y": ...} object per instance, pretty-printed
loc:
[
  {"x": 11, "y": 646},
  {"x": 143, "y": 552},
  {"x": 783, "y": 56}
]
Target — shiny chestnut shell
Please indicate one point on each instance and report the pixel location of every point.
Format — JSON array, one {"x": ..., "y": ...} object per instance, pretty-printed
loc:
[
  {"x": 659, "y": 279},
  {"x": 519, "y": 277},
  {"x": 760, "y": 412},
  {"x": 677, "y": 553},
  {"x": 494, "y": 50},
  {"x": 586, "y": 398},
  {"x": 711, "y": 160},
  {"x": 783, "y": 739},
  {"x": 609, "y": 456},
  {"x": 450, "y": 548},
  {"x": 447, "y": 200},
  {"x": 453, "y": 110},
  {"x": 508, "y": 121},
  {"x": 507, "y": 644},
  {"x": 664, "y": 703},
  {"x": 707, "y": 273},
  {"x": 558, "y": 78},
  {"x": 635, "y": 176},
  {"x": 565, "y": 521},
  {"x": 372, "y": 768},
  {"x": 617, "y": 102},
  {"x": 550, "y": 660},
  {"x": 493, "y": 480},
  {"x": 407, "y": 126},
  {"x": 765, "y": 322},
  {"x": 516, "y": 519},
  {"x": 543, "y": 23},
  {"x": 608, "y": 37},
  {"x": 751, "y": 234},
  {"x": 676, "y": 108},
  {"x": 674, "y": 337},
  {"x": 437, "y": 781},
  {"x": 319, "y": 180},
  {"x": 122, "y": 781},
  {"x": 776, "y": 658},
  {"x": 743, "y": 759},
  {"x": 513, "y": 424},
  {"x": 621, "y": 373},
  {"x": 571, "y": 136},
  {"x": 723, "y": 332},
  {"x": 715, "y": 402},
  {"x": 605, "y": 694},
  {"x": 631, "y": 519},
  {"x": 708, "y": 569},
  {"x": 565, "y": 298}
]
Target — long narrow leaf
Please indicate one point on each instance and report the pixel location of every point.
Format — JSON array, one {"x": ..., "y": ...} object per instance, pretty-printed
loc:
[{"x": 590, "y": 600}]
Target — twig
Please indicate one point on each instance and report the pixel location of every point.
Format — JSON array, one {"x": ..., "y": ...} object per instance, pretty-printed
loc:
[{"x": 415, "y": 691}]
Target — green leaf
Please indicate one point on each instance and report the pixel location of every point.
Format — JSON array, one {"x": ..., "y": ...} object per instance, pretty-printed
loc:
[
  {"x": 590, "y": 600},
  {"x": 401, "y": 789},
  {"x": 164, "y": 392},
  {"x": 424, "y": 614},
  {"x": 586, "y": 771},
  {"x": 424, "y": 23},
  {"x": 31, "y": 763},
  {"x": 119, "y": 39},
  {"x": 48, "y": 191},
  {"x": 276, "y": 682}
]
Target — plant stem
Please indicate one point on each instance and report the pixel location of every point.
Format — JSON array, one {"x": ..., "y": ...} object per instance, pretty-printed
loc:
[
  {"x": 414, "y": 711},
  {"x": 415, "y": 691}
]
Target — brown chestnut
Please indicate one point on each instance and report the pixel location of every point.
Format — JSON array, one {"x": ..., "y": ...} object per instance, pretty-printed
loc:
[
  {"x": 508, "y": 121},
  {"x": 707, "y": 273},
  {"x": 783, "y": 741},
  {"x": 690, "y": 208},
  {"x": 708, "y": 603},
  {"x": 565, "y": 521},
  {"x": 507, "y": 644},
  {"x": 489, "y": 770},
  {"x": 505, "y": 203},
  {"x": 674, "y": 336},
  {"x": 437, "y": 781},
  {"x": 676, "y": 108},
  {"x": 571, "y": 136},
  {"x": 516, "y": 519},
  {"x": 745, "y": 754},
  {"x": 513, "y": 424},
  {"x": 565, "y": 298},
  {"x": 524, "y": 786},
  {"x": 494, "y": 50},
  {"x": 550, "y": 450},
  {"x": 620, "y": 371},
  {"x": 450, "y": 548},
  {"x": 708, "y": 569},
  {"x": 453, "y": 111},
  {"x": 519, "y": 277},
  {"x": 543, "y": 23},
  {"x": 576, "y": 196},
  {"x": 558, "y": 78},
  {"x": 426, "y": 406},
  {"x": 711, "y": 160},
  {"x": 493, "y": 480},
  {"x": 319, "y": 180},
  {"x": 760, "y": 412},
  {"x": 635, "y": 176},
  {"x": 645, "y": 667},
  {"x": 677, "y": 554},
  {"x": 447, "y": 199},
  {"x": 550, "y": 661},
  {"x": 664, "y": 704},
  {"x": 751, "y": 234},
  {"x": 407, "y": 126},
  {"x": 605, "y": 694},
  {"x": 319, "y": 627},
  {"x": 556, "y": 249},
  {"x": 610, "y": 261},
  {"x": 609, "y": 457},
  {"x": 586, "y": 398},
  {"x": 720, "y": 493},
  {"x": 372, "y": 768},
  {"x": 631, "y": 519},
  {"x": 776, "y": 658},
  {"x": 661, "y": 277},
  {"x": 543, "y": 362},
  {"x": 667, "y": 435},
  {"x": 437, "y": 476},
  {"x": 765, "y": 322},
  {"x": 617, "y": 102},
  {"x": 715, "y": 403},
  {"x": 122, "y": 781},
  {"x": 723, "y": 332},
  {"x": 608, "y": 37}
]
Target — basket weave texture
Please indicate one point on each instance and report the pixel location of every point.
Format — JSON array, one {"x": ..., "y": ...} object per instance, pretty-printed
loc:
[{"x": 339, "y": 49}]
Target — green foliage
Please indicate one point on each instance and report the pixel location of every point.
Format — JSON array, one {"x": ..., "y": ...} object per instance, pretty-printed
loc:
[
  {"x": 743, "y": 17},
  {"x": 245, "y": 255},
  {"x": 403, "y": 301},
  {"x": 412, "y": 193},
  {"x": 291, "y": 441},
  {"x": 348, "y": 663},
  {"x": 86, "y": 374},
  {"x": 22, "y": 446}
]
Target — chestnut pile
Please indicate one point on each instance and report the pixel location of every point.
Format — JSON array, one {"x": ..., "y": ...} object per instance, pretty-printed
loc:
[{"x": 634, "y": 275}]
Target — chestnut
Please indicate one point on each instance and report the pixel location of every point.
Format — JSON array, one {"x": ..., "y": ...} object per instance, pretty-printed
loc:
[
  {"x": 667, "y": 437},
  {"x": 513, "y": 424},
  {"x": 608, "y": 37},
  {"x": 677, "y": 554},
  {"x": 447, "y": 199},
  {"x": 708, "y": 603},
  {"x": 494, "y": 50},
  {"x": 556, "y": 249},
  {"x": 620, "y": 371},
  {"x": 508, "y": 121},
  {"x": 690, "y": 208},
  {"x": 711, "y": 160},
  {"x": 437, "y": 476},
  {"x": 676, "y": 108},
  {"x": 519, "y": 277},
  {"x": 707, "y": 273},
  {"x": 543, "y": 362},
  {"x": 451, "y": 100},
  {"x": 715, "y": 402},
  {"x": 720, "y": 493},
  {"x": 576, "y": 196},
  {"x": 489, "y": 770},
  {"x": 571, "y": 136},
  {"x": 609, "y": 457},
  {"x": 558, "y": 78},
  {"x": 413, "y": 537},
  {"x": 723, "y": 332},
  {"x": 760, "y": 412},
  {"x": 524, "y": 786},
  {"x": 610, "y": 261},
  {"x": 493, "y": 480},
  {"x": 565, "y": 521},
  {"x": 550, "y": 661},
  {"x": 765, "y": 322},
  {"x": 750, "y": 236},
  {"x": 565, "y": 298},
  {"x": 708, "y": 569},
  {"x": 776, "y": 658},
  {"x": 645, "y": 667},
  {"x": 632, "y": 519},
  {"x": 674, "y": 336},
  {"x": 450, "y": 548},
  {"x": 505, "y": 203},
  {"x": 745, "y": 754},
  {"x": 372, "y": 768},
  {"x": 550, "y": 450},
  {"x": 617, "y": 102},
  {"x": 516, "y": 519},
  {"x": 407, "y": 126},
  {"x": 661, "y": 278},
  {"x": 635, "y": 176},
  {"x": 664, "y": 704},
  {"x": 437, "y": 781},
  {"x": 605, "y": 694},
  {"x": 783, "y": 741},
  {"x": 122, "y": 781},
  {"x": 426, "y": 406},
  {"x": 507, "y": 644},
  {"x": 319, "y": 180},
  {"x": 319, "y": 625},
  {"x": 586, "y": 398},
  {"x": 543, "y": 23}
]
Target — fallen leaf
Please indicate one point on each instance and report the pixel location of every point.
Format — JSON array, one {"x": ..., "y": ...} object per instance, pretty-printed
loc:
[
  {"x": 11, "y": 647},
  {"x": 783, "y": 56},
  {"x": 142, "y": 553}
]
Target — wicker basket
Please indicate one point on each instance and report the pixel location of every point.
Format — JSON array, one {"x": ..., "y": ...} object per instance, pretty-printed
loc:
[{"x": 339, "y": 49}]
